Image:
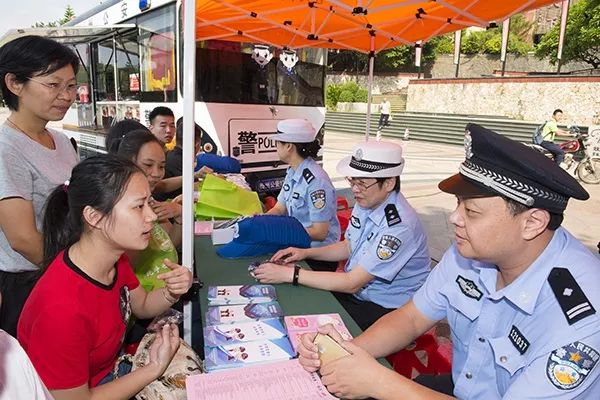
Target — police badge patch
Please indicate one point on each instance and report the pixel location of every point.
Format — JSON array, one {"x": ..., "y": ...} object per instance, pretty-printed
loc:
[
  {"x": 387, "y": 247},
  {"x": 318, "y": 198},
  {"x": 568, "y": 366}
]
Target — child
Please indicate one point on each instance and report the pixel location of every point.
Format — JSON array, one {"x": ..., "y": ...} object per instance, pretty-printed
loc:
[{"x": 73, "y": 323}]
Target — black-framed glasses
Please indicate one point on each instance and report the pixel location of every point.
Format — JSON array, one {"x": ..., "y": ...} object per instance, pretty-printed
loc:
[
  {"x": 360, "y": 183},
  {"x": 56, "y": 88}
]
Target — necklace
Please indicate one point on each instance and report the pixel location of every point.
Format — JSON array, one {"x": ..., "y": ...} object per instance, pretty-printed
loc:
[{"x": 28, "y": 135}]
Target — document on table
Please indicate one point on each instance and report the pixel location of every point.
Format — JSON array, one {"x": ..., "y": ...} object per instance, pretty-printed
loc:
[{"x": 273, "y": 381}]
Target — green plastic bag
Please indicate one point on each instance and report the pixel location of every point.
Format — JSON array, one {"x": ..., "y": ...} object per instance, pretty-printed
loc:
[
  {"x": 221, "y": 199},
  {"x": 149, "y": 262}
]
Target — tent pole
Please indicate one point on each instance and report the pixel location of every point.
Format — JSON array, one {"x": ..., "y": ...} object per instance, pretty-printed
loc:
[
  {"x": 505, "y": 33},
  {"x": 189, "y": 88},
  {"x": 370, "y": 84},
  {"x": 563, "y": 27},
  {"x": 457, "y": 39}
]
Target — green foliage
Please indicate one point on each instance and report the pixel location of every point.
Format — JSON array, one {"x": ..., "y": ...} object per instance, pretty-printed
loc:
[
  {"x": 490, "y": 40},
  {"x": 67, "y": 16},
  {"x": 582, "y": 36},
  {"x": 444, "y": 45},
  {"x": 348, "y": 92}
]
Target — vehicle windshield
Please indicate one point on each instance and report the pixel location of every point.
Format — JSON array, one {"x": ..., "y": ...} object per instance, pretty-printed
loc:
[{"x": 231, "y": 72}]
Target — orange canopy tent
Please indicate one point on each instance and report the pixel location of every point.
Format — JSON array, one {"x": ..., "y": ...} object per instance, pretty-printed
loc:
[{"x": 360, "y": 25}]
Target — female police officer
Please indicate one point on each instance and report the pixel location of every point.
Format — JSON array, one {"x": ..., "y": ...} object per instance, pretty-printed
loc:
[
  {"x": 307, "y": 193},
  {"x": 385, "y": 244}
]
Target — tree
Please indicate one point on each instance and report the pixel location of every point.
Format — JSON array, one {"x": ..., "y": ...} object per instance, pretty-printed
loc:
[
  {"x": 582, "y": 36},
  {"x": 68, "y": 15},
  {"x": 490, "y": 40}
]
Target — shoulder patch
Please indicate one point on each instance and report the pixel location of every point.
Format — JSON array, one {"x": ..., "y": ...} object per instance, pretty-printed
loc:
[
  {"x": 518, "y": 340},
  {"x": 355, "y": 221},
  {"x": 318, "y": 198},
  {"x": 468, "y": 287},
  {"x": 391, "y": 215},
  {"x": 387, "y": 247},
  {"x": 308, "y": 175},
  {"x": 573, "y": 302},
  {"x": 570, "y": 365}
]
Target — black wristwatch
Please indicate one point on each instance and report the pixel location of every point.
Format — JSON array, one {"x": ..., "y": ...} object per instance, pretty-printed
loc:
[{"x": 297, "y": 269}]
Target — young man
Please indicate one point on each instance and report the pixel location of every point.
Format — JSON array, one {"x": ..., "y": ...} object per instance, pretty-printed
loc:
[
  {"x": 385, "y": 108},
  {"x": 551, "y": 130},
  {"x": 162, "y": 124},
  {"x": 385, "y": 244},
  {"x": 519, "y": 292}
]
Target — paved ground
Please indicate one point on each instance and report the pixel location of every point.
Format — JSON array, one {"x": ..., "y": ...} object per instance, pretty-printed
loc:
[{"x": 426, "y": 165}]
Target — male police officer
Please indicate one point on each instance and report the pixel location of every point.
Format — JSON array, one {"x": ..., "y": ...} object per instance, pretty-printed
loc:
[
  {"x": 385, "y": 244},
  {"x": 519, "y": 292}
]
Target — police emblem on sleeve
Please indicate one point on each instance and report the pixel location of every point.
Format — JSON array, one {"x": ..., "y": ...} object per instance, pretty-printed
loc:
[
  {"x": 318, "y": 198},
  {"x": 387, "y": 247},
  {"x": 468, "y": 287},
  {"x": 570, "y": 365}
]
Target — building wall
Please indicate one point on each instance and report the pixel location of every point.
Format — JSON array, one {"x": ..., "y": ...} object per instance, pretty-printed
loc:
[
  {"x": 382, "y": 83},
  {"x": 528, "y": 98}
]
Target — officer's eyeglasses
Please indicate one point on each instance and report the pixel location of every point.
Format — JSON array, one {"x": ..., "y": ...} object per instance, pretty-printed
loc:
[
  {"x": 359, "y": 183},
  {"x": 57, "y": 88}
]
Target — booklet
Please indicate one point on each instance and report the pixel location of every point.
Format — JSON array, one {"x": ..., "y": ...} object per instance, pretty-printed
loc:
[
  {"x": 241, "y": 332},
  {"x": 240, "y": 294},
  {"x": 241, "y": 354},
  {"x": 298, "y": 325},
  {"x": 242, "y": 312}
]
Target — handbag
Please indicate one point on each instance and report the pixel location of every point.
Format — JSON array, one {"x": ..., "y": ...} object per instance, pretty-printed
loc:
[{"x": 171, "y": 385}]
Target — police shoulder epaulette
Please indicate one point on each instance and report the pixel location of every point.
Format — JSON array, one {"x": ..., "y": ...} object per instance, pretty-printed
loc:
[
  {"x": 573, "y": 302},
  {"x": 308, "y": 175},
  {"x": 391, "y": 215}
]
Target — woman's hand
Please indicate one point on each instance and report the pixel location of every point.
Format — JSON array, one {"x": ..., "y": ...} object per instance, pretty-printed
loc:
[
  {"x": 289, "y": 255},
  {"x": 274, "y": 273},
  {"x": 165, "y": 210},
  {"x": 164, "y": 347},
  {"x": 178, "y": 281},
  {"x": 202, "y": 172}
]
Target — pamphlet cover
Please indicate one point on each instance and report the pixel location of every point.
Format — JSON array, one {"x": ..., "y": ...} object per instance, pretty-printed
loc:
[
  {"x": 298, "y": 325},
  {"x": 242, "y": 312},
  {"x": 242, "y": 354},
  {"x": 242, "y": 332},
  {"x": 240, "y": 294}
]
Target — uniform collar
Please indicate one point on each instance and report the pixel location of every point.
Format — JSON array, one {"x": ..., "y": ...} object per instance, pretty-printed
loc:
[
  {"x": 525, "y": 290},
  {"x": 378, "y": 214},
  {"x": 298, "y": 171}
]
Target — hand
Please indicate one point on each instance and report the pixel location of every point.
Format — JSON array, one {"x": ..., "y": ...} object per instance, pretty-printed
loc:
[
  {"x": 291, "y": 254},
  {"x": 356, "y": 376},
  {"x": 177, "y": 199},
  {"x": 202, "y": 172},
  {"x": 165, "y": 210},
  {"x": 164, "y": 347},
  {"x": 178, "y": 280},
  {"x": 274, "y": 273},
  {"x": 308, "y": 353}
]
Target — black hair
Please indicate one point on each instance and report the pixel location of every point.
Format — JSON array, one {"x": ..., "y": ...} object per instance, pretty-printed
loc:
[
  {"x": 558, "y": 110},
  {"x": 198, "y": 132},
  {"x": 517, "y": 208},
  {"x": 132, "y": 142},
  {"x": 119, "y": 130},
  {"x": 160, "y": 110},
  {"x": 30, "y": 56},
  {"x": 305, "y": 150},
  {"x": 98, "y": 182},
  {"x": 396, "y": 182}
]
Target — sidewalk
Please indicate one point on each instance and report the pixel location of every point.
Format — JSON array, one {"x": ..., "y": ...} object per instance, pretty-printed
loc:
[{"x": 429, "y": 163}]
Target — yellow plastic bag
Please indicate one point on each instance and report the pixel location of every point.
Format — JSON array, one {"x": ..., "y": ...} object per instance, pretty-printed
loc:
[
  {"x": 221, "y": 199},
  {"x": 149, "y": 262}
]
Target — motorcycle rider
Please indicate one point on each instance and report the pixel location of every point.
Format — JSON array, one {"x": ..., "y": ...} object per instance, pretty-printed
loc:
[{"x": 551, "y": 130}]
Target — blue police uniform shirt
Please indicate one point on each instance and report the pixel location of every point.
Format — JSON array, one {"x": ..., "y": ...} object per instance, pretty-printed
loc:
[
  {"x": 389, "y": 243},
  {"x": 309, "y": 196},
  {"x": 521, "y": 342}
]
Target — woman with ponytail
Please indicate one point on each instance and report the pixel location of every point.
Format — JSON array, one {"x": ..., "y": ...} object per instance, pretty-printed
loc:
[
  {"x": 307, "y": 193},
  {"x": 73, "y": 323}
]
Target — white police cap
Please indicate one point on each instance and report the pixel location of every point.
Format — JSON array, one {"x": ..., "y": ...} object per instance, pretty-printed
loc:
[
  {"x": 294, "y": 131},
  {"x": 373, "y": 159}
]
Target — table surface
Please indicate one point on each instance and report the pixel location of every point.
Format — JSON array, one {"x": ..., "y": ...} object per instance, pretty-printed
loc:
[{"x": 295, "y": 300}]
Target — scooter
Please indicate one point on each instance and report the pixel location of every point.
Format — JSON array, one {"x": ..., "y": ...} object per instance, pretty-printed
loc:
[{"x": 582, "y": 155}]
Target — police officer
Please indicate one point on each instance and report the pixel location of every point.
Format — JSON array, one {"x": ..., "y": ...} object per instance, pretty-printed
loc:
[
  {"x": 307, "y": 193},
  {"x": 519, "y": 292},
  {"x": 385, "y": 244}
]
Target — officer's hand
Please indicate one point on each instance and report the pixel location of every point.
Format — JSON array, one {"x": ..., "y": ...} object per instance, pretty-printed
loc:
[
  {"x": 308, "y": 353},
  {"x": 274, "y": 273},
  {"x": 290, "y": 255},
  {"x": 356, "y": 376}
]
